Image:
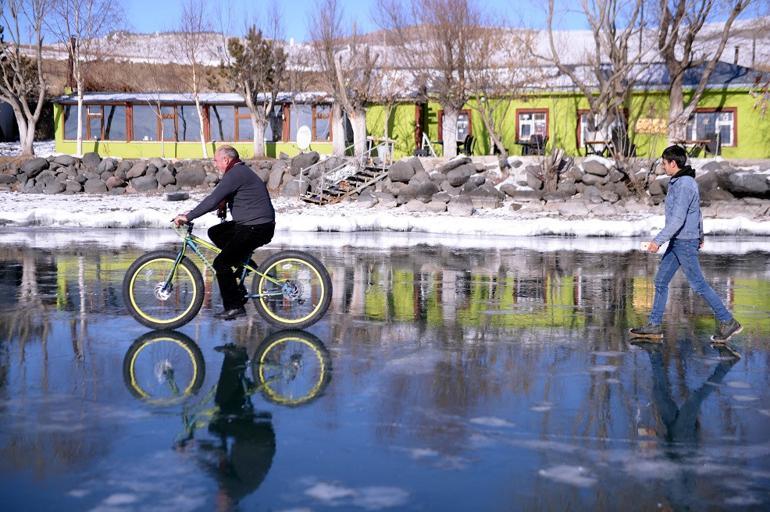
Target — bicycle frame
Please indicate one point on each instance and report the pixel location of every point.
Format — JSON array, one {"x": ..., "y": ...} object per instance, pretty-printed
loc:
[{"x": 195, "y": 243}]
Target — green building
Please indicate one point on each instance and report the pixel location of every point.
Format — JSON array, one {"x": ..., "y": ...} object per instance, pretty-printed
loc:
[{"x": 166, "y": 125}]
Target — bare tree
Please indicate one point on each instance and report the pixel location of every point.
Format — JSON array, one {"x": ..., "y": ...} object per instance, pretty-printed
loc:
[
  {"x": 347, "y": 63},
  {"x": 433, "y": 39},
  {"x": 78, "y": 24},
  {"x": 22, "y": 83},
  {"x": 501, "y": 66},
  {"x": 681, "y": 21},
  {"x": 610, "y": 68},
  {"x": 256, "y": 70},
  {"x": 193, "y": 29}
]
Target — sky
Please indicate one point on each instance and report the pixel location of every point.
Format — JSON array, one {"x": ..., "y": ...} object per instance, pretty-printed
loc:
[{"x": 163, "y": 15}]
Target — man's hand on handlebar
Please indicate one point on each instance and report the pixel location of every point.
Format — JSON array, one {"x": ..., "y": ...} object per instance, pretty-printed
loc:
[{"x": 180, "y": 220}]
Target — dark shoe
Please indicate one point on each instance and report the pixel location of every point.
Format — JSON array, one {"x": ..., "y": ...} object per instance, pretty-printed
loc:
[
  {"x": 651, "y": 331},
  {"x": 725, "y": 330},
  {"x": 230, "y": 314}
]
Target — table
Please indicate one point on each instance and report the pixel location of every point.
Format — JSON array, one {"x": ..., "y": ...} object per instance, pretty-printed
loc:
[
  {"x": 694, "y": 146},
  {"x": 597, "y": 147},
  {"x": 531, "y": 148}
]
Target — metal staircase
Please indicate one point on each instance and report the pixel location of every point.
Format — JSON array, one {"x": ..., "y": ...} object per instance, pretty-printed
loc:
[{"x": 346, "y": 179}]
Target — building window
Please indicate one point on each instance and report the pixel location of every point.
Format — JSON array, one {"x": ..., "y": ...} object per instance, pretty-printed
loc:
[
  {"x": 531, "y": 122},
  {"x": 188, "y": 123},
  {"x": 464, "y": 127},
  {"x": 222, "y": 123},
  {"x": 315, "y": 117},
  {"x": 115, "y": 122},
  {"x": 145, "y": 122},
  {"x": 587, "y": 128},
  {"x": 274, "y": 128},
  {"x": 100, "y": 122},
  {"x": 706, "y": 124},
  {"x": 243, "y": 129},
  {"x": 322, "y": 117}
]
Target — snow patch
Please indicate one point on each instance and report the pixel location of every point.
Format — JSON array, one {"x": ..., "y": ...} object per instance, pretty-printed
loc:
[
  {"x": 489, "y": 421},
  {"x": 577, "y": 476}
]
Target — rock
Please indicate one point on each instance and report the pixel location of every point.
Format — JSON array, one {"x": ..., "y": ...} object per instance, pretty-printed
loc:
[
  {"x": 461, "y": 205},
  {"x": 157, "y": 162},
  {"x": 34, "y": 166},
  {"x": 171, "y": 188},
  {"x": 177, "y": 196},
  {"x": 594, "y": 179},
  {"x": 65, "y": 160},
  {"x": 45, "y": 177},
  {"x": 533, "y": 181},
  {"x": 508, "y": 189},
  {"x": 94, "y": 186},
  {"x": 124, "y": 166},
  {"x": 73, "y": 187},
  {"x": 420, "y": 177},
  {"x": 516, "y": 206},
  {"x": 385, "y": 200},
  {"x": 7, "y": 179},
  {"x": 444, "y": 197},
  {"x": 486, "y": 196},
  {"x": 454, "y": 163},
  {"x": 415, "y": 205},
  {"x": 714, "y": 165},
  {"x": 416, "y": 165},
  {"x": 615, "y": 176},
  {"x": 436, "y": 206},
  {"x": 655, "y": 188},
  {"x": 706, "y": 181},
  {"x": 54, "y": 187},
  {"x": 302, "y": 161},
  {"x": 748, "y": 183},
  {"x": 716, "y": 194},
  {"x": 460, "y": 175},
  {"x": 604, "y": 210},
  {"x": 423, "y": 190},
  {"x": 114, "y": 182},
  {"x": 164, "y": 177},
  {"x": 293, "y": 188},
  {"x": 107, "y": 165},
  {"x": 212, "y": 178},
  {"x": 401, "y": 171},
  {"x": 264, "y": 174},
  {"x": 192, "y": 176},
  {"x": 275, "y": 179},
  {"x": 555, "y": 196},
  {"x": 597, "y": 167},
  {"x": 144, "y": 184},
  {"x": 91, "y": 161},
  {"x": 151, "y": 171},
  {"x": 366, "y": 200},
  {"x": 514, "y": 162},
  {"x": 572, "y": 209},
  {"x": 567, "y": 188},
  {"x": 609, "y": 195},
  {"x": 592, "y": 195},
  {"x": 117, "y": 191},
  {"x": 136, "y": 170}
]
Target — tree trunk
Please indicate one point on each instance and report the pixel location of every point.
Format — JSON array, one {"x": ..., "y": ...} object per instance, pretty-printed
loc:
[
  {"x": 79, "y": 149},
  {"x": 358, "y": 120},
  {"x": 258, "y": 126},
  {"x": 449, "y": 132},
  {"x": 677, "y": 120},
  {"x": 201, "y": 131},
  {"x": 25, "y": 139},
  {"x": 338, "y": 131}
]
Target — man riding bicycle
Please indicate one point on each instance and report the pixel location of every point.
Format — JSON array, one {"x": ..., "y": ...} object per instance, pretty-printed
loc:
[{"x": 253, "y": 224}]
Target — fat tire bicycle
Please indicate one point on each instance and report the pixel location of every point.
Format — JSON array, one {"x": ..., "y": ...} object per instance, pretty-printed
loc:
[
  {"x": 164, "y": 289},
  {"x": 289, "y": 368}
]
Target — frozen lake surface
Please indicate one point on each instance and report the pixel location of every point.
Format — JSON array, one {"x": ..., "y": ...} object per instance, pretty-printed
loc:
[{"x": 481, "y": 375}]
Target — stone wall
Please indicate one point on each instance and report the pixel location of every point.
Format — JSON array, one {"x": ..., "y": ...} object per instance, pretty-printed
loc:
[{"x": 459, "y": 186}]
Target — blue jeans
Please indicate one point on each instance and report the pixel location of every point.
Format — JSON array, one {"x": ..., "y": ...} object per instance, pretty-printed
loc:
[{"x": 683, "y": 253}]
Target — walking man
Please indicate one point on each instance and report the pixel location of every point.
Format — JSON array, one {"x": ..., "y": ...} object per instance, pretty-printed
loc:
[
  {"x": 253, "y": 224},
  {"x": 684, "y": 233}
]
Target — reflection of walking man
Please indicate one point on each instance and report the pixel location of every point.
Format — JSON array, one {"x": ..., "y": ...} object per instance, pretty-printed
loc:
[
  {"x": 681, "y": 423},
  {"x": 684, "y": 233}
]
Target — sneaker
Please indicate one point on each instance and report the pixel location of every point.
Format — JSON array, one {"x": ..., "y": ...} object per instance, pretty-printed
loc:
[
  {"x": 725, "y": 330},
  {"x": 230, "y": 314},
  {"x": 652, "y": 331}
]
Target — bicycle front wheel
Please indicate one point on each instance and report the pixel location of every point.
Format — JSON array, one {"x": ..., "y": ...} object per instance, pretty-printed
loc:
[
  {"x": 163, "y": 367},
  {"x": 292, "y": 367},
  {"x": 161, "y": 295},
  {"x": 292, "y": 289}
]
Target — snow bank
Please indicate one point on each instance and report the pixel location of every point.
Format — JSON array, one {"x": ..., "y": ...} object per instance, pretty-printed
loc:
[{"x": 62, "y": 220}]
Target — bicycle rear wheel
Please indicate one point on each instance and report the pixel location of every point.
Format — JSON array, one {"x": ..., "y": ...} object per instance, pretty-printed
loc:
[
  {"x": 292, "y": 289},
  {"x": 292, "y": 367},
  {"x": 156, "y": 298},
  {"x": 163, "y": 367}
]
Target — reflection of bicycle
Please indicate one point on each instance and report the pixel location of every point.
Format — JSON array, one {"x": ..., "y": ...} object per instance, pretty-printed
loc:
[
  {"x": 164, "y": 289},
  {"x": 290, "y": 367}
]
